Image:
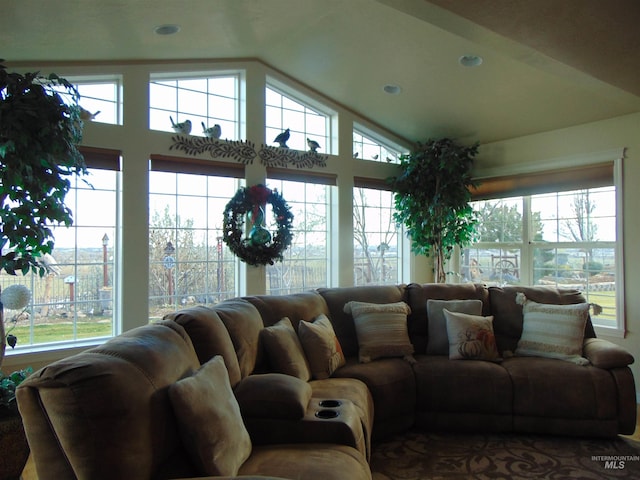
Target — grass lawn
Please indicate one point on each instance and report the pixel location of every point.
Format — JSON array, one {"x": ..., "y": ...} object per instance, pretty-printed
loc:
[{"x": 56, "y": 332}]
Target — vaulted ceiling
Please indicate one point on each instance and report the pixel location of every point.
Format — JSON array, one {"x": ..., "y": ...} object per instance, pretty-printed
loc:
[{"x": 547, "y": 64}]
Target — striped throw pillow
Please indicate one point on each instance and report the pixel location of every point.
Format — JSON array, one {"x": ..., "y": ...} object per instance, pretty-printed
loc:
[
  {"x": 381, "y": 330},
  {"x": 553, "y": 331}
]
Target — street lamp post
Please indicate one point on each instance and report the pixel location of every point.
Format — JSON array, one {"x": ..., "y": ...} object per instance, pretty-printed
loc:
[
  {"x": 169, "y": 262},
  {"x": 105, "y": 268}
]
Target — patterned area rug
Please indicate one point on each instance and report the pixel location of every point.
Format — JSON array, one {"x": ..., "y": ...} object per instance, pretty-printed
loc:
[{"x": 450, "y": 456}]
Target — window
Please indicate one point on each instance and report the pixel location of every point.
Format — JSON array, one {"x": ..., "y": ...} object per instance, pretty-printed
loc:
[
  {"x": 366, "y": 148},
  {"x": 74, "y": 300},
  {"x": 204, "y": 100},
  {"x": 100, "y": 97},
  {"x": 376, "y": 239},
  {"x": 567, "y": 238},
  {"x": 188, "y": 262},
  {"x": 306, "y": 264},
  {"x": 303, "y": 122}
]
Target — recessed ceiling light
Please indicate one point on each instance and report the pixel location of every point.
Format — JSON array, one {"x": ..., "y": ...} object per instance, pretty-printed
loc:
[
  {"x": 470, "y": 60},
  {"x": 392, "y": 89},
  {"x": 168, "y": 29}
]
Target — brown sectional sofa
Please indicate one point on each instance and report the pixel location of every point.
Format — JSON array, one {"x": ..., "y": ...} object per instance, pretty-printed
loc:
[{"x": 106, "y": 413}]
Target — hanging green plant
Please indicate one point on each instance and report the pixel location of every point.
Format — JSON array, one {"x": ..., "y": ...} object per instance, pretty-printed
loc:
[
  {"x": 260, "y": 247},
  {"x": 432, "y": 199},
  {"x": 38, "y": 138}
]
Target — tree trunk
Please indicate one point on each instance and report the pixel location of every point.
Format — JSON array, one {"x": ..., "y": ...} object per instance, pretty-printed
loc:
[{"x": 438, "y": 267}]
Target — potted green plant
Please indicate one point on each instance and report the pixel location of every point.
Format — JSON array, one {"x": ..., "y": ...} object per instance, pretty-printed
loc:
[
  {"x": 39, "y": 133},
  {"x": 431, "y": 196}
]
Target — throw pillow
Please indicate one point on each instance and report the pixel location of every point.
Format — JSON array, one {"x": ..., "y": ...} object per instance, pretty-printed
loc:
[
  {"x": 470, "y": 337},
  {"x": 209, "y": 420},
  {"x": 553, "y": 331},
  {"x": 273, "y": 395},
  {"x": 284, "y": 350},
  {"x": 321, "y": 346},
  {"x": 381, "y": 330},
  {"x": 438, "y": 343}
]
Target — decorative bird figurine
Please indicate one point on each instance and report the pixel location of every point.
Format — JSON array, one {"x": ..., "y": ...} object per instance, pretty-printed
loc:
[
  {"x": 282, "y": 138},
  {"x": 211, "y": 132},
  {"x": 313, "y": 145},
  {"x": 86, "y": 115},
  {"x": 182, "y": 127}
]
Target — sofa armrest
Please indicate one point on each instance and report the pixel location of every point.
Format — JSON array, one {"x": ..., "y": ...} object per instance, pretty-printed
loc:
[
  {"x": 605, "y": 354},
  {"x": 273, "y": 396}
]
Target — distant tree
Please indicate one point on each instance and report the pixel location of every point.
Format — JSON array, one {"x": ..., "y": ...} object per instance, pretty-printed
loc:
[
  {"x": 580, "y": 227},
  {"x": 373, "y": 271},
  {"x": 188, "y": 274},
  {"x": 500, "y": 222}
]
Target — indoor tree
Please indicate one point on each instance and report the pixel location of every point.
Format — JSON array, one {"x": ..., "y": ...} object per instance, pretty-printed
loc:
[
  {"x": 431, "y": 195},
  {"x": 39, "y": 134}
]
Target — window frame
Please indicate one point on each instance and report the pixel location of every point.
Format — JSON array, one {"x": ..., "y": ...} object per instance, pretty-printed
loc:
[
  {"x": 210, "y": 169},
  {"x": 181, "y": 115},
  {"x": 378, "y": 141},
  {"x": 542, "y": 169},
  {"x": 97, "y": 159},
  {"x": 309, "y": 103},
  {"x": 329, "y": 181}
]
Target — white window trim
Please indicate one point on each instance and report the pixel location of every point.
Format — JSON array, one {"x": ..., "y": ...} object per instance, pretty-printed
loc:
[{"x": 617, "y": 156}]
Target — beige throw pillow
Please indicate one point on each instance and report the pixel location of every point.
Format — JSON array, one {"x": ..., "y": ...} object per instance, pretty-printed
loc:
[
  {"x": 553, "y": 331},
  {"x": 321, "y": 346},
  {"x": 471, "y": 337},
  {"x": 381, "y": 330},
  {"x": 285, "y": 351},
  {"x": 209, "y": 420}
]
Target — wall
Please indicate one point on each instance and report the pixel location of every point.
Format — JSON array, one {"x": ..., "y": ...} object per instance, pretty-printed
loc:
[{"x": 613, "y": 134}]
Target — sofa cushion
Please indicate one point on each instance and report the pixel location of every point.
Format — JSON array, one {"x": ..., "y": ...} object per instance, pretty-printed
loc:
[
  {"x": 308, "y": 461},
  {"x": 551, "y": 389},
  {"x": 284, "y": 350},
  {"x": 418, "y": 294},
  {"x": 468, "y": 387},
  {"x": 438, "y": 343},
  {"x": 243, "y": 322},
  {"x": 470, "y": 337},
  {"x": 297, "y": 306},
  {"x": 209, "y": 337},
  {"x": 393, "y": 389},
  {"x": 507, "y": 314},
  {"x": 201, "y": 401},
  {"x": 342, "y": 322},
  {"x": 321, "y": 346},
  {"x": 381, "y": 329},
  {"x": 554, "y": 331},
  {"x": 273, "y": 395}
]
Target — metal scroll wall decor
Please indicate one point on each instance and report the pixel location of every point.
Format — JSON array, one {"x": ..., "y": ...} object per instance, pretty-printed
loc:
[{"x": 244, "y": 151}]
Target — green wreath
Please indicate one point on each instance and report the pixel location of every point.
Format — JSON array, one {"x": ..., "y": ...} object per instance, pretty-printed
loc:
[{"x": 259, "y": 247}]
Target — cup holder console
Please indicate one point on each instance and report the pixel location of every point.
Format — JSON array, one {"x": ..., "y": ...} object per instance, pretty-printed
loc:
[
  {"x": 327, "y": 414},
  {"x": 330, "y": 403}
]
